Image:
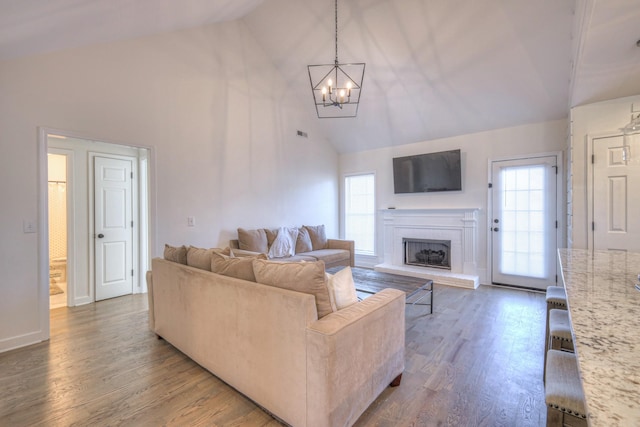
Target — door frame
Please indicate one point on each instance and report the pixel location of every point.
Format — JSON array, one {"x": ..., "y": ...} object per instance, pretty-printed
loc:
[
  {"x": 560, "y": 203},
  {"x": 43, "y": 216}
]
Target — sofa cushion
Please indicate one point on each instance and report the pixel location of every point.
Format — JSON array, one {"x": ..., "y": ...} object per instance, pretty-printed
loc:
[
  {"x": 252, "y": 240},
  {"x": 343, "y": 288},
  {"x": 329, "y": 256},
  {"x": 303, "y": 242},
  {"x": 175, "y": 253},
  {"x": 318, "y": 236},
  {"x": 306, "y": 277},
  {"x": 201, "y": 258},
  {"x": 285, "y": 243},
  {"x": 240, "y": 268}
]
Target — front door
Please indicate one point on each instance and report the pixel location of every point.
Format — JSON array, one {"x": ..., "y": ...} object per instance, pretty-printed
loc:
[
  {"x": 524, "y": 223},
  {"x": 616, "y": 205},
  {"x": 113, "y": 235}
]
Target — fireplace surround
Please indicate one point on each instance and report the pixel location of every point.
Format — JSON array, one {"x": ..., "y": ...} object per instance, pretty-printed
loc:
[{"x": 459, "y": 227}]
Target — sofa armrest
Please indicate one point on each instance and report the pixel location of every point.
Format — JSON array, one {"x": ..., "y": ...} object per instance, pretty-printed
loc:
[
  {"x": 152, "y": 319},
  {"x": 352, "y": 356},
  {"x": 348, "y": 245}
]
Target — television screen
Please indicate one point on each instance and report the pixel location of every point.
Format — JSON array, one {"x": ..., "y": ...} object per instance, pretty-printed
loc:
[{"x": 429, "y": 172}]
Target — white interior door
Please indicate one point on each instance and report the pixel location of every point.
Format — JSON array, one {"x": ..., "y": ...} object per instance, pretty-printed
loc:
[
  {"x": 616, "y": 204},
  {"x": 524, "y": 223},
  {"x": 113, "y": 227}
]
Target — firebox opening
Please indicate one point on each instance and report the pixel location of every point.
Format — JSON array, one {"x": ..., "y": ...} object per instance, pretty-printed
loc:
[{"x": 427, "y": 253}]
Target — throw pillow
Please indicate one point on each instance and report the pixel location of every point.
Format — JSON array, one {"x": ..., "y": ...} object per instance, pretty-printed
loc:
[
  {"x": 199, "y": 258},
  {"x": 343, "y": 288},
  {"x": 307, "y": 277},
  {"x": 285, "y": 243},
  {"x": 271, "y": 236},
  {"x": 252, "y": 240},
  {"x": 240, "y": 268},
  {"x": 318, "y": 236},
  {"x": 303, "y": 242},
  {"x": 175, "y": 253}
]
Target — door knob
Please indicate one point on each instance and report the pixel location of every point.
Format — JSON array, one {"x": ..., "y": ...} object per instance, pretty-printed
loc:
[
  {"x": 496, "y": 220},
  {"x": 496, "y": 229},
  {"x": 100, "y": 236}
]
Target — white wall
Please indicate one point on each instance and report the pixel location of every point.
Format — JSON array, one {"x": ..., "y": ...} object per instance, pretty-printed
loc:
[
  {"x": 587, "y": 121},
  {"x": 214, "y": 111},
  {"x": 477, "y": 149}
]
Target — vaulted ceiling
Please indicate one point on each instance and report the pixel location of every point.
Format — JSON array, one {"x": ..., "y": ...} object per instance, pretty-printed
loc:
[{"x": 435, "y": 68}]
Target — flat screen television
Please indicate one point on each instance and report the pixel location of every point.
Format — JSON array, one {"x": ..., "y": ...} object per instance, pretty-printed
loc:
[{"x": 425, "y": 173}]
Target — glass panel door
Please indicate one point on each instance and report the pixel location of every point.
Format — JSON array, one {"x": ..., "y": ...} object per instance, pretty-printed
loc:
[{"x": 523, "y": 231}]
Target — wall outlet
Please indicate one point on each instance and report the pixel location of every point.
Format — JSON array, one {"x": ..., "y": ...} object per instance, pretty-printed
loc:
[
  {"x": 191, "y": 221},
  {"x": 29, "y": 226}
]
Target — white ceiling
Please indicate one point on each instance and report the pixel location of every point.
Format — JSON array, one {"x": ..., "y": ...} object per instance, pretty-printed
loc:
[{"x": 435, "y": 68}]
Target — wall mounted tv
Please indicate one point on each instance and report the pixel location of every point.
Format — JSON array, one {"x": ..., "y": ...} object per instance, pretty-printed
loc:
[{"x": 426, "y": 173}]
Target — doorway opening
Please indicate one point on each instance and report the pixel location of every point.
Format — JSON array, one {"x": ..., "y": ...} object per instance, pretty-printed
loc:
[
  {"x": 57, "y": 199},
  {"x": 70, "y": 195}
]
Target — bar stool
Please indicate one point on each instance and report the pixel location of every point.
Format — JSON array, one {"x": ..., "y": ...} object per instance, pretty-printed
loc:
[
  {"x": 560, "y": 337},
  {"x": 556, "y": 299},
  {"x": 563, "y": 392}
]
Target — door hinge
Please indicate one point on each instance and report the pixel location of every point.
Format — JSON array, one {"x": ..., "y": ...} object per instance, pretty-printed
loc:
[
  {"x": 593, "y": 158},
  {"x": 556, "y": 224},
  {"x": 490, "y": 185},
  {"x": 593, "y": 226},
  {"x": 131, "y": 273},
  {"x": 556, "y": 278},
  {"x": 131, "y": 174},
  {"x": 132, "y": 224}
]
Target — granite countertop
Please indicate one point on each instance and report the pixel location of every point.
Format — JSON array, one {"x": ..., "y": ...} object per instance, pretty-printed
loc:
[{"x": 604, "y": 308}]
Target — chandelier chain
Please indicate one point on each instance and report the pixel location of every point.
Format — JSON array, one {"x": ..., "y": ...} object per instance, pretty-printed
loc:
[{"x": 336, "y": 32}]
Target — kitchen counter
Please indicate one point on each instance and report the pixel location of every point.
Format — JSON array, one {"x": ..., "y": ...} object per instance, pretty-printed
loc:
[{"x": 604, "y": 308}]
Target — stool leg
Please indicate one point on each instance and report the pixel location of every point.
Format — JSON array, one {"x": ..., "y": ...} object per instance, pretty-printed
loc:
[{"x": 554, "y": 417}]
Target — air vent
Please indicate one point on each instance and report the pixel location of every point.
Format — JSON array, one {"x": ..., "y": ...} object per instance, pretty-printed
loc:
[{"x": 302, "y": 134}]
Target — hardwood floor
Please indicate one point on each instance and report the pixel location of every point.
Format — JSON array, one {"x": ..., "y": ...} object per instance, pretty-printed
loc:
[{"x": 476, "y": 361}]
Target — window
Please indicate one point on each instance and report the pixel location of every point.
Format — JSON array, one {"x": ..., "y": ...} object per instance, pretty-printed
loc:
[{"x": 360, "y": 213}]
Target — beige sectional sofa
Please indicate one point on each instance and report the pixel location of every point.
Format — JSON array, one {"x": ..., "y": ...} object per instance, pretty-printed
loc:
[
  {"x": 306, "y": 243},
  {"x": 269, "y": 344}
]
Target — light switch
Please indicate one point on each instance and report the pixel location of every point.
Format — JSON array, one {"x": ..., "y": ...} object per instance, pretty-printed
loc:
[{"x": 191, "y": 221}]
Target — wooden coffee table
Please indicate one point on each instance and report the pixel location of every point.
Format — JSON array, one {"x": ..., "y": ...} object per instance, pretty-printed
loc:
[{"x": 370, "y": 282}]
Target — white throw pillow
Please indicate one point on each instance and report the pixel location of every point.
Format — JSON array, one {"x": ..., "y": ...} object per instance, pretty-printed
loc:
[
  {"x": 343, "y": 288},
  {"x": 285, "y": 243}
]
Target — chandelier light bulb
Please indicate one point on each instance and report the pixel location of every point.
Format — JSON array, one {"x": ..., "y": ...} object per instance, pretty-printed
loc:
[{"x": 349, "y": 86}]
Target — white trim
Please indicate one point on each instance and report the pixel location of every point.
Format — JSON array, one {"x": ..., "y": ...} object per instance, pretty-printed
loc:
[{"x": 43, "y": 239}]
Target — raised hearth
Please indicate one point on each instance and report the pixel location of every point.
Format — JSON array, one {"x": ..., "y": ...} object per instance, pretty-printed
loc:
[{"x": 457, "y": 226}]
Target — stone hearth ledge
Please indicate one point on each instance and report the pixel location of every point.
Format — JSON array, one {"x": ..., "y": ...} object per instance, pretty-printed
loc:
[{"x": 439, "y": 277}]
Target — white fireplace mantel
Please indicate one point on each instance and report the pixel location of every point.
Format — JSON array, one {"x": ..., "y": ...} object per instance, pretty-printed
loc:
[{"x": 460, "y": 226}]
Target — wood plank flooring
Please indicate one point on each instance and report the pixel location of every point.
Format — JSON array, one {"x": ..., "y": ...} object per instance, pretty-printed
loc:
[{"x": 476, "y": 361}]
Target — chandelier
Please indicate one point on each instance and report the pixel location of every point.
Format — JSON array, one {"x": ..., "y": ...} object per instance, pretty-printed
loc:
[
  {"x": 336, "y": 87},
  {"x": 630, "y": 129}
]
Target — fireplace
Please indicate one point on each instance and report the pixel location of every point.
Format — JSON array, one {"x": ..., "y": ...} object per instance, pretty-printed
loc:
[
  {"x": 452, "y": 230},
  {"x": 427, "y": 253}
]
